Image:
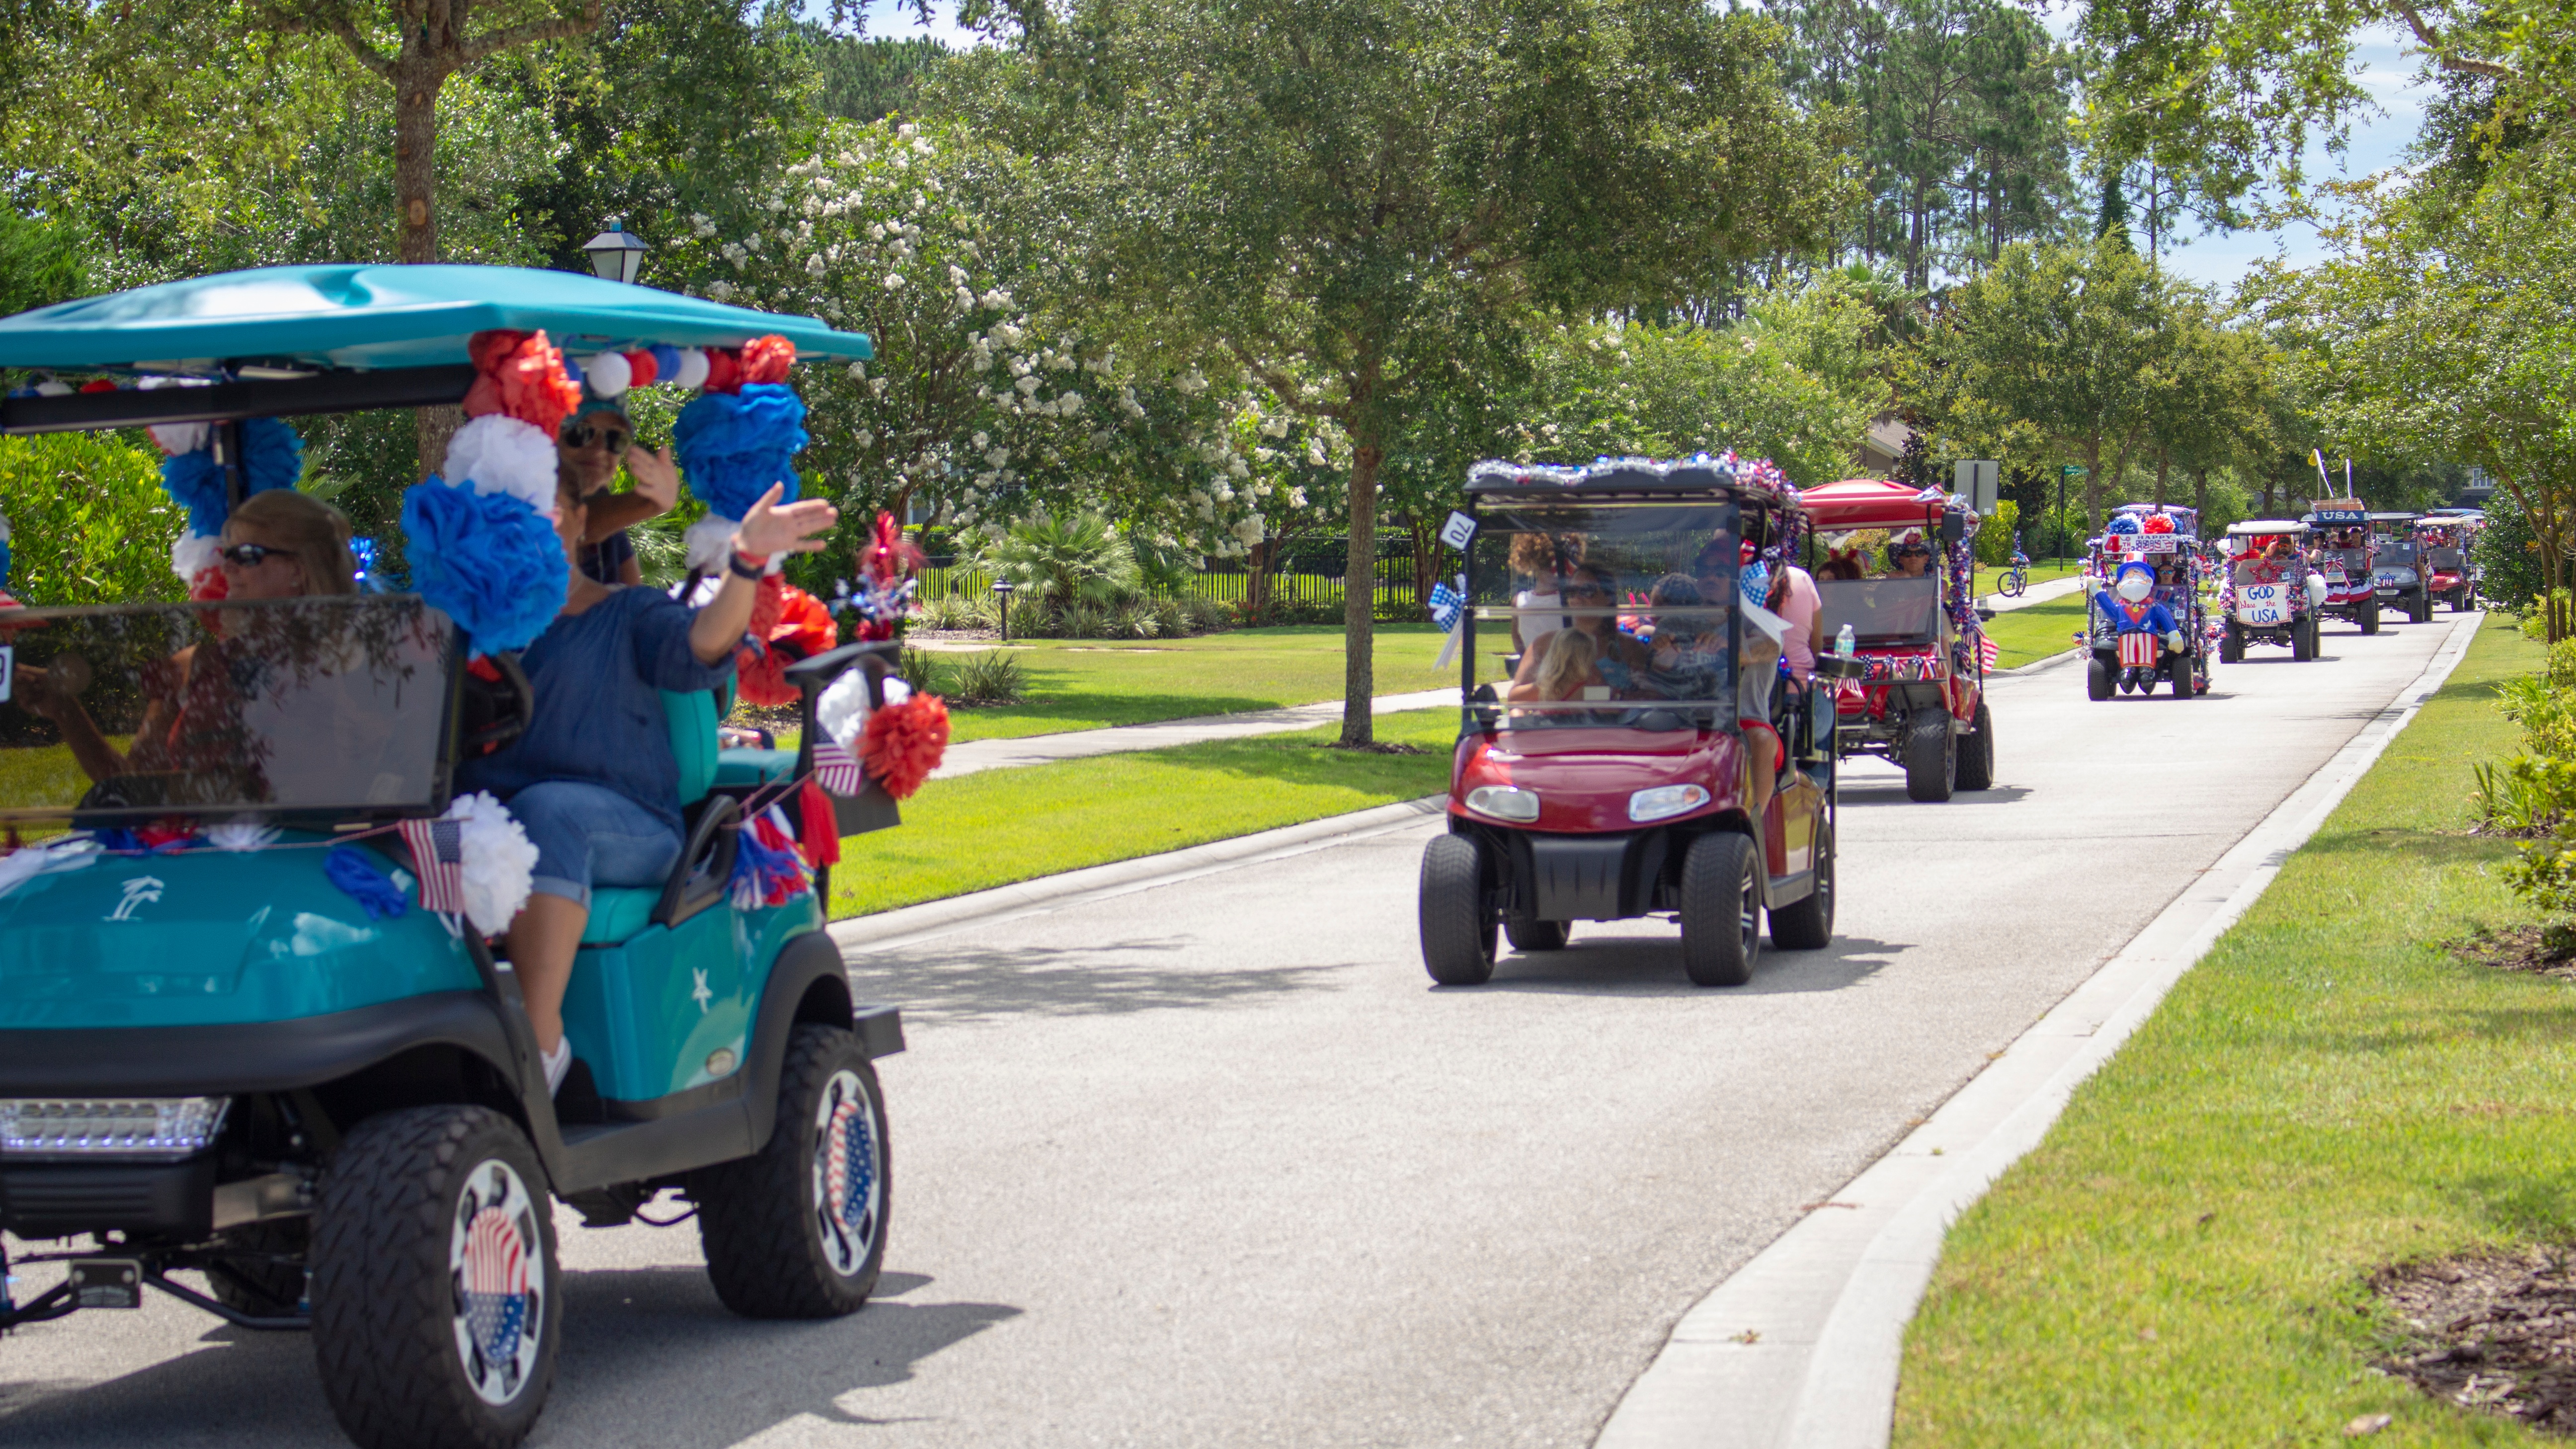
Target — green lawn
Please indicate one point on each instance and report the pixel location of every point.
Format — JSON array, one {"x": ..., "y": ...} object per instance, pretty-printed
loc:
[
  {"x": 2025, "y": 636},
  {"x": 990, "y": 829},
  {"x": 2184, "y": 1260},
  {"x": 1094, "y": 683},
  {"x": 2041, "y": 571}
]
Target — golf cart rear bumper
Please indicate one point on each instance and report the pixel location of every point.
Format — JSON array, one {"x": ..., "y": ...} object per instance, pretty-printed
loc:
[{"x": 238, "y": 1059}]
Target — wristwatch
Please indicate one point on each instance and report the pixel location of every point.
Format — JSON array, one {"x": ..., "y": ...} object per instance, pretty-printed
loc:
[{"x": 745, "y": 566}]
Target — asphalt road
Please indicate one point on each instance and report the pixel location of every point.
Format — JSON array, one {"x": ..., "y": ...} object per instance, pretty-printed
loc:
[{"x": 1212, "y": 1164}]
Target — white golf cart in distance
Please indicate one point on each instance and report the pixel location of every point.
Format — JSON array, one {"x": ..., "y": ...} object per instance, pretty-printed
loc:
[{"x": 2269, "y": 593}]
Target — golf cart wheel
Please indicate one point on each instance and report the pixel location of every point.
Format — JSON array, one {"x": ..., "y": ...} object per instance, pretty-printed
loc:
[
  {"x": 2231, "y": 643},
  {"x": 1721, "y": 910},
  {"x": 2098, "y": 678},
  {"x": 798, "y": 1229},
  {"x": 1808, "y": 924},
  {"x": 2370, "y": 617},
  {"x": 1976, "y": 769},
  {"x": 436, "y": 1302},
  {"x": 1931, "y": 756},
  {"x": 1457, "y": 927},
  {"x": 266, "y": 1279},
  {"x": 2178, "y": 669},
  {"x": 2421, "y": 609},
  {"x": 1527, "y": 934},
  {"x": 2303, "y": 639}
]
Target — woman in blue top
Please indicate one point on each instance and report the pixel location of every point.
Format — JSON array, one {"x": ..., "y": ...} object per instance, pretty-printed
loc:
[{"x": 592, "y": 778}]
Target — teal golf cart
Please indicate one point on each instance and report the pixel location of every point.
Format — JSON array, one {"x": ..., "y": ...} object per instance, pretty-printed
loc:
[{"x": 236, "y": 1041}]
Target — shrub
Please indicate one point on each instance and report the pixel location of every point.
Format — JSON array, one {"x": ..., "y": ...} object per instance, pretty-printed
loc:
[
  {"x": 957, "y": 612},
  {"x": 1205, "y": 615},
  {"x": 1057, "y": 562},
  {"x": 989, "y": 678},
  {"x": 1083, "y": 621},
  {"x": 1995, "y": 535},
  {"x": 922, "y": 670},
  {"x": 1136, "y": 621},
  {"x": 89, "y": 523}
]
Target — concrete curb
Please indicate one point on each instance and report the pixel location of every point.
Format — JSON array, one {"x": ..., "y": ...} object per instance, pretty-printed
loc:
[
  {"x": 1801, "y": 1346},
  {"x": 908, "y": 924}
]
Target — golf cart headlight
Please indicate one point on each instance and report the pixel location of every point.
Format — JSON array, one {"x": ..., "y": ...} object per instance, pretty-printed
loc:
[
  {"x": 149, "y": 1127},
  {"x": 1665, "y": 801},
  {"x": 1503, "y": 802}
]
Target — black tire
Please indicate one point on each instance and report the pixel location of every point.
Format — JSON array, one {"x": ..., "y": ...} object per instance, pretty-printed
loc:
[
  {"x": 1931, "y": 756},
  {"x": 2100, "y": 679},
  {"x": 2231, "y": 643},
  {"x": 1976, "y": 769},
  {"x": 1808, "y": 924},
  {"x": 2370, "y": 617},
  {"x": 2178, "y": 669},
  {"x": 2422, "y": 609},
  {"x": 1457, "y": 925},
  {"x": 798, "y": 1229},
  {"x": 268, "y": 1279},
  {"x": 1721, "y": 910},
  {"x": 418, "y": 1206},
  {"x": 1531, "y": 935},
  {"x": 2303, "y": 639}
]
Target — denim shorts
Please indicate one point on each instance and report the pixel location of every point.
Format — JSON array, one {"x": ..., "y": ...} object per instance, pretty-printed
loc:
[{"x": 589, "y": 835}]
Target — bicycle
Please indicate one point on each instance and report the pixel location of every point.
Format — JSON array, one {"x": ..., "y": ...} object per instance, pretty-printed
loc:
[{"x": 2016, "y": 575}]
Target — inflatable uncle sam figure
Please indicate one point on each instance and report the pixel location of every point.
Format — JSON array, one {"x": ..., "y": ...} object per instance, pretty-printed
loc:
[{"x": 2140, "y": 621}]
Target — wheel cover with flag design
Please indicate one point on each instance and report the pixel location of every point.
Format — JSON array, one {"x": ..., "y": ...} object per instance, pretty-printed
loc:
[
  {"x": 848, "y": 1174},
  {"x": 496, "y": 1261}
]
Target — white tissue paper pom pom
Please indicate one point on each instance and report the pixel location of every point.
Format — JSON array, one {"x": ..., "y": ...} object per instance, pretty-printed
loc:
[
  {"x": 707, "y": 541},
  {"x": 895, "y": 690},
  {"x": 239, "y": 835},
  {"x": 498, "y": 861},
  {"x": 500, "y": 454},
  {"x": 194, "y": 553},
  {"x": 26, "y": 864},
  {"x": 177, "y": 438},
  {"x": 51, "y": 388},
  {"x": 609, "y": 374},
  {"x": 841, "y": 711},
  {"x": 693, "y": 368}
]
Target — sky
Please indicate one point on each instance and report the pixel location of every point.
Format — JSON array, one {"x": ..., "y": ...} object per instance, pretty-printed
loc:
[{"x": 2388, "y": 71}]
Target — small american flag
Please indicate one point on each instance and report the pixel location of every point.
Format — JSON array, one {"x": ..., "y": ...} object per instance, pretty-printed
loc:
[
  {"x": 1988, "y": 650},
  {"x": 836, "y": 769},
  {"x": 438, "y": 855}
]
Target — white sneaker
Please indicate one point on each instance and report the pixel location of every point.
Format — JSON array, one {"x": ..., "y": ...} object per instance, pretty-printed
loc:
[{"x": 558, "y": 1062}]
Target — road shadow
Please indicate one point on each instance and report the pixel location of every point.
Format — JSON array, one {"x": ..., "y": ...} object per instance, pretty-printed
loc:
[
  {"x": 648, "y": 1357},
  {"x": 1875, "y": 796},
  {"x": 1648, "y": 966},
  {"x": 965, "y": 984}
]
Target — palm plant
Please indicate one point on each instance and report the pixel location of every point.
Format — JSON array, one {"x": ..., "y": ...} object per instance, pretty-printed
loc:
[{"x": 1061, "y": 561}]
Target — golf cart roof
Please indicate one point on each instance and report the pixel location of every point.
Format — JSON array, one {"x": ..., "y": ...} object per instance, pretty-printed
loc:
[
  {"x": 2265, "y": 527},
  {"x": 1871, "y": 503},
  {"x": 1522, "y": 483},
  {"x": 284, "y": 340},
  {"x": 2394, "y": 517}
]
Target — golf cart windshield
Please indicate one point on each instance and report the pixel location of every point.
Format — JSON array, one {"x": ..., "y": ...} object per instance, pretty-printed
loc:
[
  {"x": 310, "y": 706},
  {"x": 2394, "y": 553},
  {"x": 1650, "y": 587},
  {"x": 1882, "y": 612}
]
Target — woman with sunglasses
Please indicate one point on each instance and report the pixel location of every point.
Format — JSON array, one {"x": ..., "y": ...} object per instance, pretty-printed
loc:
[
  {"x": 593, "y": 442},
  {"x": 1591, "y": 589}
]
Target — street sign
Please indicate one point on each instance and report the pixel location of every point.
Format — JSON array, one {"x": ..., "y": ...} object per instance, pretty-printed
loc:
[{"x": 1979, "y": 483}]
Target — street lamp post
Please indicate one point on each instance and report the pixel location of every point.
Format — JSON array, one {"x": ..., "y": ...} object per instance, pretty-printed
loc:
[
  {"x": 2070, "y": 470},
  {"x": 1002, "y": 591},
  {"x": 617, "y": 254}
]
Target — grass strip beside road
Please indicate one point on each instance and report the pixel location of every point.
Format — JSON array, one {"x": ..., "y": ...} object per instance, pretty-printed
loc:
[
  {"x": 1000, "y": 826},
  {"x": 1989, "y": 579},
  {"x": 2184, "y": 1259},
  {"x": 2026, "y": 636},
  {"x": 1089, "y": 684}
]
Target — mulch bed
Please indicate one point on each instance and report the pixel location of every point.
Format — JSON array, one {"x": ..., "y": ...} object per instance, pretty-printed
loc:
[
  {"x": 2492, "y": 1333},
  {"x": 1381, "y": 747},
  {"x": 2515, "y": 948}
]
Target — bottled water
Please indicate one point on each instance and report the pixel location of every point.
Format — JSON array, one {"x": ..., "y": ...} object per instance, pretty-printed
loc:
[{"x": 1843, "y": 642}]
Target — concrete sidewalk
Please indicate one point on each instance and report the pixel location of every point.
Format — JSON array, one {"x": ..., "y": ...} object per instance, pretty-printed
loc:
[
  {"x": 2036, "y": 594},
  {"x": 977, "y": 755}
]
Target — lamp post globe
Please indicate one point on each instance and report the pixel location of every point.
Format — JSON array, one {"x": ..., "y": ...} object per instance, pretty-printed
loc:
[{"x": 617, "y": 254}]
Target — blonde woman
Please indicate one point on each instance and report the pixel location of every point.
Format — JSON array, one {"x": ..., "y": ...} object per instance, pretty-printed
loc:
[{"x": 1564, "y": 668}]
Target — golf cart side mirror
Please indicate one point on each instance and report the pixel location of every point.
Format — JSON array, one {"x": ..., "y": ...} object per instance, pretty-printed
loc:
[
  {"x": 1486, "y": 705},
  {"x": 1953, "y": 528},
  {"x": 1985, "y": 615}
]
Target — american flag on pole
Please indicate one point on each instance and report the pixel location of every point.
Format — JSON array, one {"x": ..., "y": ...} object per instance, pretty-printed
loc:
[
  {"x": 1988, "y": 650},
  {"x": 836, "y": 769},
  {"x": 438, "y": 855}
]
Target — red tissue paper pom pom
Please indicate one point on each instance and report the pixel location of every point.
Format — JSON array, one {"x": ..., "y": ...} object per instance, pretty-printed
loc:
[
  {"x": 796, "y": 626},
  {"x": 522, "y": 376},
  {"x": 646, "y": 371},
  {"x": 2159, "y": 523},
  {"x": 766, "y": 359},
  {"x": 904, "y": 742},
  {"x": 724, "y": 371},
  {"x": 208, "y": 586},
  {"x": 99, "y": 384}
]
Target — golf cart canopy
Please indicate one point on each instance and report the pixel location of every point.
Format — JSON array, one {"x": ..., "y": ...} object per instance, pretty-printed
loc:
[
  {"x": 2267, "y": 527},
  {"x": 283, "y": 341},
  {"x": 1871, "y": 503},
  {"x": 1520, "y": 483}
]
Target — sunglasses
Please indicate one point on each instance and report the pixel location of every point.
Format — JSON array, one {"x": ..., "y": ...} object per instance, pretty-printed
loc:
[
  {"x": 252, "y": 555},
  {"x": 608, "y": 436}
]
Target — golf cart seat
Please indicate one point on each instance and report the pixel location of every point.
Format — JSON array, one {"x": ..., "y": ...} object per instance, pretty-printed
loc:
[{"x": 617, "y": 913}]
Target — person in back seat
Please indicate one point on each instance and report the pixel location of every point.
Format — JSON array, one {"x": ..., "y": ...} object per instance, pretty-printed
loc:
[{"x": 592, "y": 778}]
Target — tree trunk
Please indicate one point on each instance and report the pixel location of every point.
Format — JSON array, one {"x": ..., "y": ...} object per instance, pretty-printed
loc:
[
  {"x": 2092, "y": 483},
  {"x": 416, "y": 78},
  {"x": 2163, "y": 461},
  {"x": 1359, "y": 591},
  {"x": 2200, "y": 495},
  {"x": 1256, "y": 580}
]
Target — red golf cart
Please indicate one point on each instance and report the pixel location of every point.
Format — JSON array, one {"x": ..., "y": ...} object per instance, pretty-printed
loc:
[
  {"x": 1605, "y": 772},
  {"x": 1893, "y": 566}
]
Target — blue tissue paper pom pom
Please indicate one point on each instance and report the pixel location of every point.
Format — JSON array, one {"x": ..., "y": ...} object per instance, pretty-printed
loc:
[
  {"x": 666, "y": 360},
  {"x": 365, "y": 884},
  {"x": 2125, "y": 523},
  {"x": 488, "y": 561},
  {"x": 4, "y": 561},
  {"x": 272, "y": 457},
  {"x": 732, "y": 446}
]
